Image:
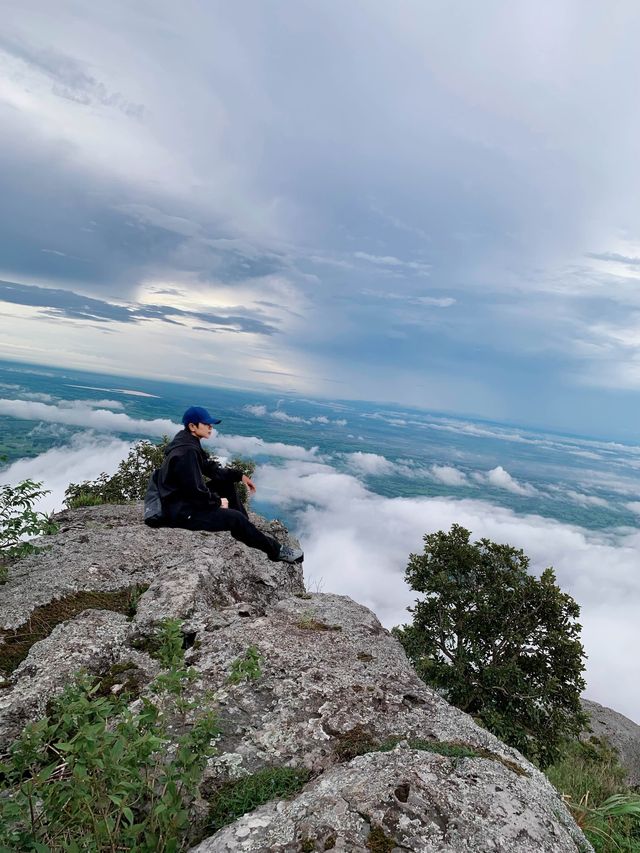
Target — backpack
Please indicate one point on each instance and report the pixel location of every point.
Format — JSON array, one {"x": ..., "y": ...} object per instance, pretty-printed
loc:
[{"x": 153, "y": 514}]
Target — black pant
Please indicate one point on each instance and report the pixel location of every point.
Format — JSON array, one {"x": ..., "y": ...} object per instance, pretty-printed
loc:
[
  {"x": 230, "y": 492},
  {"x": 234, "y": 520}
]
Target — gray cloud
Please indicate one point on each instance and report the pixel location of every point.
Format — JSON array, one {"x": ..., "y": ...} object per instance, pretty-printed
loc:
[
  {"x": 614, "y": 256},
  {"x": 69, "y": 78},
  {"x": 66, "y": 303}
]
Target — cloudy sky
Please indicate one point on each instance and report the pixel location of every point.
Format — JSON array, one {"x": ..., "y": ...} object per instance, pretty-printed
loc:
[{"x": 424, "y": 202}]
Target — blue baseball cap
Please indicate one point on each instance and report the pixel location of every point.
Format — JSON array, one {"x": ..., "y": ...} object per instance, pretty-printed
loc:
[{"x": 198, "y": 415}]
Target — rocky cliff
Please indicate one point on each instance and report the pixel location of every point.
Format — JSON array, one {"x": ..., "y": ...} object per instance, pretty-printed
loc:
[
  {"x": 620, "y": 732},
  {"x": 390, "y": 765}
]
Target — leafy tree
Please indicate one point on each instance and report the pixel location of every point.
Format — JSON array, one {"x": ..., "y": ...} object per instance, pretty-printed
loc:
[
  {"x": 129, "y": 483},
  {"x": 499, "y": 643},
  {"x": 19, "y": 520}
]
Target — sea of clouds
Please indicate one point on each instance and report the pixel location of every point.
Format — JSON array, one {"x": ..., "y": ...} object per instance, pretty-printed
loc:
[{"x": 357, "y": 542}]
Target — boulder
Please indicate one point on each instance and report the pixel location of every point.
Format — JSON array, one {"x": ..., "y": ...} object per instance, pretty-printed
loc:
[{"x": 620, "y": 732}]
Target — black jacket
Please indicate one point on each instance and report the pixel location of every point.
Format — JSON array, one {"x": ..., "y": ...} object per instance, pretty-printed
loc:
[{"x": 181, "y": 481}]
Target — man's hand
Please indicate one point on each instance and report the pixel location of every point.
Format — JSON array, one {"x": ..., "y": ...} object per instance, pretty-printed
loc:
[
  {"x": 224, "y": 503},
  {"x": 248, "y": 483}
]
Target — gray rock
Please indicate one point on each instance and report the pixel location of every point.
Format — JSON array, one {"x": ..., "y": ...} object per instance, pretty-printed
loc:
[
  {"x": 620, "y": 732},
  {"x": 413, "y": 800},
  {"x": 332, "y": 681},
  {"x": 333, "y": 685}
]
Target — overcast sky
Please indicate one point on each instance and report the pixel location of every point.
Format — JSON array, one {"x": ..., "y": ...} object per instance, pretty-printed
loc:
[{"x": 432, "y": 203}]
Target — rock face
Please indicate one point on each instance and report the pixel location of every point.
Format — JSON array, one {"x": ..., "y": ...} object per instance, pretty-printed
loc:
[
  {"x": 406, "y": 800},
  {"x": 391, "y": 765},
  {"x": 620, "y": 732}
]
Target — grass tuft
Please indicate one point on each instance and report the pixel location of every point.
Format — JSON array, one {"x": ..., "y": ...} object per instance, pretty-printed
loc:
[
  {"x": 592, "y": 784},
  {"x": 359, "y": 741},
  {"x": 308, "y": 622},
  {"x": 236, "y": 798},
  {"x": 15, "y": 643},
  {"x": 378, "y": 842}
]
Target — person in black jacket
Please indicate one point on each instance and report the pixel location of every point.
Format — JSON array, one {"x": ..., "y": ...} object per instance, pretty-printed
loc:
[{"x": 188, "y": 500}]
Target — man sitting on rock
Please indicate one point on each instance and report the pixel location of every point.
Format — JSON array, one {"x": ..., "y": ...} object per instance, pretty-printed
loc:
[{"x": 188, "y": 501}]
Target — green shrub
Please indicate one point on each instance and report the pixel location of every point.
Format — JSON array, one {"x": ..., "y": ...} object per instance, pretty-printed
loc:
[
  {"x": 18, "y": 519},
  {"x": 590, "y": 768},
  {"x": 169, "y": 650},
  {"x": 94, "y": 776},
  {"x": 82, "y": 499},
  {"x": 500, "y": 644},
  {"x": 613, "y": 825},
  {"x": 378, "y": 841}
]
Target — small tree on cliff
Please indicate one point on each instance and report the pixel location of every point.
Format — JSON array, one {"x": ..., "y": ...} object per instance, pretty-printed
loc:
[{"x": 499, "y": 643}]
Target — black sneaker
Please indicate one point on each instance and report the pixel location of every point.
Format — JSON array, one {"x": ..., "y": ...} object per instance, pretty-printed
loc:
[{"x": 287, "y": 554}]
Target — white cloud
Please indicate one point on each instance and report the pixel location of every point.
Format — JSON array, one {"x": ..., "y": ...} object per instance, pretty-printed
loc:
[
  {"x": 261, "y": 411},
  {"x": 369, "y": 463},
  {"x": 502, "y": 479},
  {"x": 437, "y": 302},
  {"x": 252, "y": 446},
  {"x": 84, "y": 417},
  {"x": 258, "y": 411},
  {"x": 36, "y": 396},
  {"x": 586, "y": 500},
  {"x": 91, "y": 404},
  {"x": 84, "y": 458},
  {"x": 448, "y": 475},
  {"x": 391, "y": 261},
  {"x": 279, "y": 415},
  {"x": 50, "y": 430},
  {"x": 634, "y": 506}
]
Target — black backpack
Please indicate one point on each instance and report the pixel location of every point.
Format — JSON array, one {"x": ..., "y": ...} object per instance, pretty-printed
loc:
[{"x": 153, "y": 514}]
